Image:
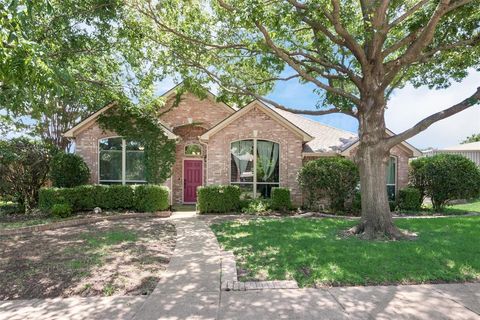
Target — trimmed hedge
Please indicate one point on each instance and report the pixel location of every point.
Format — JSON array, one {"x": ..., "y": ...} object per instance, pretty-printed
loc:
[
  {"x": 281, "y": 199},
  {"x": 143, "y": 198},
  {"x": 409, "y": 199},
  {"x": 218, "y": 199},
  {"x": 150, "y": 198},
  {"x": 61, "y": 210}
]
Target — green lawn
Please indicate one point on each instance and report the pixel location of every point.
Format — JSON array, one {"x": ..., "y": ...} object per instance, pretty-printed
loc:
[
  {"x": 312, "y": 252},
  {"x": 472, "y": 206}
]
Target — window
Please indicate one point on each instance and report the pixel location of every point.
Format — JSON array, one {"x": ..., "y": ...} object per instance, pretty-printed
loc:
[
  {"x": 392, "y": 178},
  {"x": 255, "y": 167},
  {"x": 121, "y": 161},
  {"x": 193, "y": 150}
]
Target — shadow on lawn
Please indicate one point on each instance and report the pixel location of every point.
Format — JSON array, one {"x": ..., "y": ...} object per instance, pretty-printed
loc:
[
  {"x": 311, "y": 252},
  {"x": 121, "y": 257}
]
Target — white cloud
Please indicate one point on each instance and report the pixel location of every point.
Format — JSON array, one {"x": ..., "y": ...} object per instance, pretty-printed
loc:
[{"x": 410, "y": 105}]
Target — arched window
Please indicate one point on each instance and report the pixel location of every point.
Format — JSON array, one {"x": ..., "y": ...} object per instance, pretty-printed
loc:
[
  {"x": 121, "y": 161},
  {"x": 193, "y": 150},
  {"x": 255, "y": 166},
  {"x": 392, "y": 178}
]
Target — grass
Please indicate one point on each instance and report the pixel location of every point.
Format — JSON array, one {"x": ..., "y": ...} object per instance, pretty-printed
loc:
[
  {"x": 313, "y": 253},
  {"x": 471, "y": 206}
]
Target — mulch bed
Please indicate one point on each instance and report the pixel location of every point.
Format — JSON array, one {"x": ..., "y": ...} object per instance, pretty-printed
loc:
[{"x": 123, "y": 257}]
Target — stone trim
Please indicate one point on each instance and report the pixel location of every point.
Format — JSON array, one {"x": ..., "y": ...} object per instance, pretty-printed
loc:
[
  {"x": 81, "y": 221},
  {"x": 229, "y": 278}
]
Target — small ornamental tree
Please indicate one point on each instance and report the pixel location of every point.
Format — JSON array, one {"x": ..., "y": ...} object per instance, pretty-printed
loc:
[
  {"x": 447, "y": 177},
  {"x": 68, "y": 170},
  {"x": 334, "y": 176},
  {"x": 24, "y": 166}
]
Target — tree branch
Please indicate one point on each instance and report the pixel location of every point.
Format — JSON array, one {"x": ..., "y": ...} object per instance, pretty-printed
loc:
[
  {"x": 407, "y": 13},
  {"x": 427, "y": 122},
  {"x": 285, "y": 57}
]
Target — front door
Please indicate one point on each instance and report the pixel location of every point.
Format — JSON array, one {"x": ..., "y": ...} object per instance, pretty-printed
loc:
[{"x": 192, "y": 178}]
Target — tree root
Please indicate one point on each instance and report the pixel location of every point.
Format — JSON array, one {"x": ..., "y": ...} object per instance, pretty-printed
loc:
[{"x": 389, "y": 232}]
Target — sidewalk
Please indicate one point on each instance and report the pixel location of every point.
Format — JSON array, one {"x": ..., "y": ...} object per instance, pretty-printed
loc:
[{"x": 190, "y": 289}]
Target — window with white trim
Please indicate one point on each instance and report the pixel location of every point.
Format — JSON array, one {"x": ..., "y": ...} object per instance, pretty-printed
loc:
[
  {"x": 392, "y": 178},
  {"x": 121, "y": 161},
  {"x": 255, "y": 167}
]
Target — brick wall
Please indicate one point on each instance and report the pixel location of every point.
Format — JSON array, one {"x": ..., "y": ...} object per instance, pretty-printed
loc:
[
  {"x": 218, "y": 167},
  {"x": 86, "y": 146},
  {"x": 189, "y": 135},
  {"x": 205, "y": 113}
]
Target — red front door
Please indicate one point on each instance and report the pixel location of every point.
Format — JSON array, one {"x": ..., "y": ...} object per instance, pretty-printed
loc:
[{"x": 192, "y": 178}]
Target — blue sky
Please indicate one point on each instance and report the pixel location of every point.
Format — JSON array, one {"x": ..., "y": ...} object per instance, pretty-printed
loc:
[{"x": 406, "y": 107}]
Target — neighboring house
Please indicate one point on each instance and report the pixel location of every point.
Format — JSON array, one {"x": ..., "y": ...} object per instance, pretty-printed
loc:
[
  {"x": 468, "y": 150},
  {"x": 217, "y": 144}
]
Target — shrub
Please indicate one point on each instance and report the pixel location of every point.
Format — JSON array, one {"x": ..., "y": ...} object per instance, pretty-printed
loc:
[
  {"x": 409, "y": 199},
  {"x": 68, "y": 170},
  {"x": 417, "y": 175},
  {"x": 24, "y": 167},
  {"x": 281, "y": 200},
  {"x": 143, "y": 198},
  {"x": 334, "y": 177},
  {"x": 61, "y": 210},
  {"x": 255, "y": 206},
  {"x": 446, "y": 177},
  {"x": 151, "y": 198},
  {"x": 120, "y": 196},
  {"x": 356, "y": 206},
  {"x": 218, "y": 199}
]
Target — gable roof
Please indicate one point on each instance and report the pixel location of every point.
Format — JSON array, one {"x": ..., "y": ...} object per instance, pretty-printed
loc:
[
  {"x": 415, "y": 152},
  {"x": 210, "y": 95},
  {"x": 326, "y": 139},
  {"x": 268, "y": 111},
  {"x": 83, "y": 124}
]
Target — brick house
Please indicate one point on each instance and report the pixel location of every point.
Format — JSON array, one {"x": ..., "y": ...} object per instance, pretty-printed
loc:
[{"x": 256, "y": 147}]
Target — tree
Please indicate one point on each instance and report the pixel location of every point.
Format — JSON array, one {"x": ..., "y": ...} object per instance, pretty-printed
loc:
[
  {"x": 62, "y": 59},
  {"x": 24, "y": 166},
  {"x": 472, "y": 138},
  {"x": 356, "y": 53}
]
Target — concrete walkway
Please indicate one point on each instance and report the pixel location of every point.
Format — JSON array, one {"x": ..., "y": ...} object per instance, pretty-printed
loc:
[{"x": 191, "y": 287}]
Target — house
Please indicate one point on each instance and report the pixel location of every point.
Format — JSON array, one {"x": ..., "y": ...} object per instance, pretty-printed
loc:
[
  {"x": 256, "y": 147},
  {"x": 469, "y": 150}
]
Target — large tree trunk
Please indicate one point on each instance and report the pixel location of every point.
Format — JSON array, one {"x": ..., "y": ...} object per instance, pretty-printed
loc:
[{"x": 372, "y": 158}]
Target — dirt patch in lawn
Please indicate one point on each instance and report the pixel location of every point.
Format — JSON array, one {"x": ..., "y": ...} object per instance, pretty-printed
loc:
[{"x": 124, "y": 257}]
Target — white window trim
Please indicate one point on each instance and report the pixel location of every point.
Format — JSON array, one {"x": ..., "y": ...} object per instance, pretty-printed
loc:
[
  {"x": 123, "y": 181},
  {"x": 254, "y": 183},
  {"x": 395, "y": 161}
]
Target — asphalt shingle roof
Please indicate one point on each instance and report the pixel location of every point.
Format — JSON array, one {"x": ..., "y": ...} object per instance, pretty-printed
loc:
[{"x": 326, "y": 138}]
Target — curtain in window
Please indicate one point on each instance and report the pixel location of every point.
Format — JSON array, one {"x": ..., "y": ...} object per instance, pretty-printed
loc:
[
  {"x": 268, "y": 157},
  {"x": 242, "y": 155}
]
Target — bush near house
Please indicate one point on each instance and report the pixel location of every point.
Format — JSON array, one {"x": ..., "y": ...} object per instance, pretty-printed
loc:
[
  {"x": 445, "y": 177},
  {"x": 68, "y": 170},
  {"x": 281, "y": 200},
  {"x": 409, "y": 199},
  {"x": 150, "y": 198},
  {"x": 143, "y": 198},
  {"x": 24, "y": 166},
  {"x": 218, "y": 199},
  {"x": 335, "y": 177},
  {"x": 256, "y": 206},
  {"x": 61, "y": 210}
]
